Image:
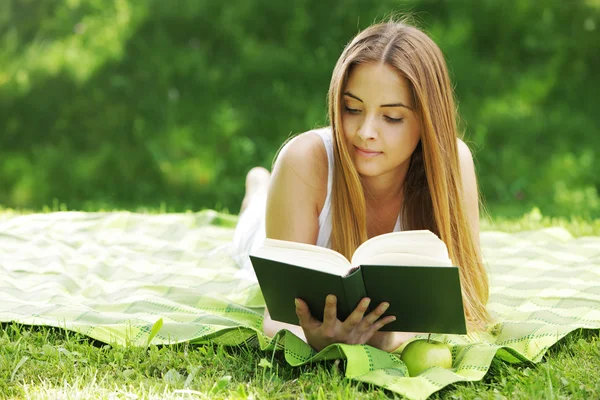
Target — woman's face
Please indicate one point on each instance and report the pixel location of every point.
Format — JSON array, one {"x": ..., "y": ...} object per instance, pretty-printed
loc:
[{"x": 379, "y": 122}]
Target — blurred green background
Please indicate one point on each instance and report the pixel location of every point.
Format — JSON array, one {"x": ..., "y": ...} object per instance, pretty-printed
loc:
[{"x": 128, "y": 103}]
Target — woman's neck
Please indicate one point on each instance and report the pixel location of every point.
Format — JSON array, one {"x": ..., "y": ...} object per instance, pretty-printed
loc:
[
  {"x": 384, "y": 188},
  {"x": 383, "y": 205}
]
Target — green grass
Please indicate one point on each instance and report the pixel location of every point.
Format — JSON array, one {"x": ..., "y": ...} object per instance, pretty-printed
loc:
[
  {"x": 578, "y": 226},
  {"x": 49, "y": 363}
]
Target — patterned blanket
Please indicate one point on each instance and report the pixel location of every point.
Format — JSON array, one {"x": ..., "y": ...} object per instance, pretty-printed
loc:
[{"x": 112, "y": 276}]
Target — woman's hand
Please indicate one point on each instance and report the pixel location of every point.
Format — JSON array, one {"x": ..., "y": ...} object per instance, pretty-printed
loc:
[{"x": 356, "y": 329}]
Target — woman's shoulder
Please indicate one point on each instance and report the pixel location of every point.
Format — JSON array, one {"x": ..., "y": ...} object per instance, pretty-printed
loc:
[
  {"x": 297, "y": 189},
  {"x": 465, "y": 159},
  {"x": 303, "y": 161},
  {"x": 306, "y": 153},
  {"x": 309, "y": 143},
  {"x": 464, "y": 153}
]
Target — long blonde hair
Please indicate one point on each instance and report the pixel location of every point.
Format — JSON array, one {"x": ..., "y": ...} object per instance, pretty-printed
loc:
[{"x": 433, "y": 186}]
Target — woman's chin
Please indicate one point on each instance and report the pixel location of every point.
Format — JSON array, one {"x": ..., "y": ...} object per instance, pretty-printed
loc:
[{"x": 368, "y": 170}]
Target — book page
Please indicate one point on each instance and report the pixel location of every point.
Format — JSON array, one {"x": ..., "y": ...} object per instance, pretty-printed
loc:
[
  {"x": 418, "y": 243},
  {"x": 304, "y": 255},
  {"x": 407, "y": 260}
]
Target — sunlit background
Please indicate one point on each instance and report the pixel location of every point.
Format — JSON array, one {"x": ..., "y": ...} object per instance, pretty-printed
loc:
[{"x": 129, "y": 103}]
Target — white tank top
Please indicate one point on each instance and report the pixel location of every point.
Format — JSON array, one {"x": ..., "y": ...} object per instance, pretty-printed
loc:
[{"x": 324, "y": 238}]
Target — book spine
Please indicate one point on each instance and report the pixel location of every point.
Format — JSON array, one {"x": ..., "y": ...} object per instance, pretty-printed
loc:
[{"x": 354, "y": 290}]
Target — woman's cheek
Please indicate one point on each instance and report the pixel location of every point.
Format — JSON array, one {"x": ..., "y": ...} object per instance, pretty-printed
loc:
[{"x": 347, "y": 126}]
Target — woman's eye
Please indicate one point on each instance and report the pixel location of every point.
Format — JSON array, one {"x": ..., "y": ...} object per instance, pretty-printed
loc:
[
  {"x": 393, "y": 120},
  {"x": 351, "y": 110}
]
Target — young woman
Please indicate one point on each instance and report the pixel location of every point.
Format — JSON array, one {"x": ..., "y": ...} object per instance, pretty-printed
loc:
[{"x": 391, "y": 160}]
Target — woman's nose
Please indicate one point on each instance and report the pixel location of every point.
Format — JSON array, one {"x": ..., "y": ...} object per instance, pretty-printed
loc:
[{"x": 368, "y": 130}]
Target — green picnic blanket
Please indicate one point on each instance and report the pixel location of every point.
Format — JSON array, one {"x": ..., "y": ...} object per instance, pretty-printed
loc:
[{"x": 112, "y": 276}]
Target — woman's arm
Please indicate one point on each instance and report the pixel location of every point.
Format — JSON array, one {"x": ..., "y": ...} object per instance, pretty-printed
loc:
[
  {"x": 390, "y": 341},
  {"x": 270, "y": 327},
  {"x": 297, "y": 191}
]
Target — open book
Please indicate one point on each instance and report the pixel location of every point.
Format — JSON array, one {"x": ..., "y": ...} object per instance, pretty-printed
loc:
[{"x": 410, "y": 270}]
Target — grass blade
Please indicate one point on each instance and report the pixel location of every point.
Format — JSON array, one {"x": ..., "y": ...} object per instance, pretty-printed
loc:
[
  {"x": 154, "y": 331},
  {"x": 18, "y": 366}
]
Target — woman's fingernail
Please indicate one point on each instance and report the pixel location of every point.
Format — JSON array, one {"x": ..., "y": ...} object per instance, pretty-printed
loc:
[
  {"x": 366, "y": 302},
  {"x": 297, "y": 303},
  {"x": 385, "y": 306}
]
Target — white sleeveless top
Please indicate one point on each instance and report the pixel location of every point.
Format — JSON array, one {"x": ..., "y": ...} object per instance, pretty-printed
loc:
[{"x": 325, "y": 226}]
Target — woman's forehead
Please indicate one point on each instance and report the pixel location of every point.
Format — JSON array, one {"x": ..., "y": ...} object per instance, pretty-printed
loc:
[{"x": 378, "y": 83}]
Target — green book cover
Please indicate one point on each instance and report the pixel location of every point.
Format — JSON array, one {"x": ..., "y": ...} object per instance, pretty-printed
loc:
[
  {"x": 423, "y": 299},
  {"x": 410, "y": 270},
  {"x": 281, "y": 283}
]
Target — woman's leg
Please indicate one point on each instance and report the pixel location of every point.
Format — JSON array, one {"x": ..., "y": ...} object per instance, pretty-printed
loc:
[
  {"x": 257, "y": 182},
  {"x": 250, "y": 230}
]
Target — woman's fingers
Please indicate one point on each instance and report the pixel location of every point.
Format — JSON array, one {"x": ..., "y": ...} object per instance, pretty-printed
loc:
[
  {"x": 381, "y": 323},
  {"x": 305, "y": 318},
  {"x": 357, "y": 316},
  {"x": 377, "y": 312},
  {"x": 330, "y": 311},
  {"x": 357, "y": 328},
  {"x": 373, "y": 319}
]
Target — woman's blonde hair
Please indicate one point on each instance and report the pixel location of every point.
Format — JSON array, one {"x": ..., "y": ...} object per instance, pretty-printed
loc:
[{"x": 433, "y": 186}]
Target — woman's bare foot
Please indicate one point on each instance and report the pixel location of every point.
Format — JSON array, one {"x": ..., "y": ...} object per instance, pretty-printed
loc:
[{"x": 257, "y": 181}]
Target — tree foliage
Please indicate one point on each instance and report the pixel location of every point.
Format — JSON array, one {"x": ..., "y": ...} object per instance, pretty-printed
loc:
[{"x": 129, "y": 102}]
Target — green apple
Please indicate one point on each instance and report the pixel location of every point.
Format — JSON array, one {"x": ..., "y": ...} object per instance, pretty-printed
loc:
[{"x": 423, "y": 354}]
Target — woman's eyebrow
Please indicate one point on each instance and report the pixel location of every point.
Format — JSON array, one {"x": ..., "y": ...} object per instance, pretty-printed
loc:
[{"x": 383, "y": 105}]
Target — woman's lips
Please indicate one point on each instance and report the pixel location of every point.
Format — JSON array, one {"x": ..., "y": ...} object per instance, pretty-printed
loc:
[{"x": 366, "y": 153}]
